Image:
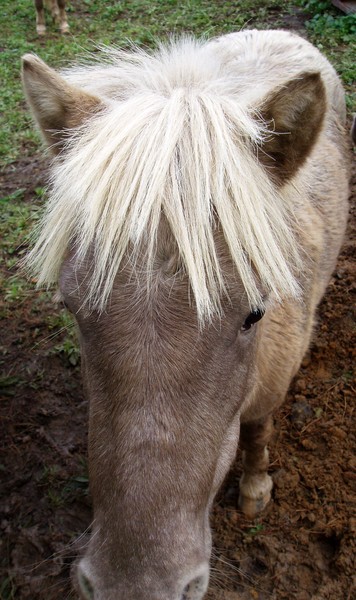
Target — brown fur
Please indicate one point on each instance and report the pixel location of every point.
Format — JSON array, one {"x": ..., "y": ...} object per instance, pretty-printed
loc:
[
  {"x": 57, "y": 107},
  {"x": 295, "y": 115},
  {"x": 167, "y": 397}
]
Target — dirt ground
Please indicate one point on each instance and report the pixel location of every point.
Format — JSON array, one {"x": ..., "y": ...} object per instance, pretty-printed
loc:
[{"x": 302, "y": 547}]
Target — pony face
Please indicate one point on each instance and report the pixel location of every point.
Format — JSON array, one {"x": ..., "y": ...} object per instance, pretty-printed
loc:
[{"x": 156, "y": 381}]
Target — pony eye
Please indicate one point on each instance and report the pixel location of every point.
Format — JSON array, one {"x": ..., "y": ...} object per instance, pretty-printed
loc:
[{"x": 252, "y": 318}]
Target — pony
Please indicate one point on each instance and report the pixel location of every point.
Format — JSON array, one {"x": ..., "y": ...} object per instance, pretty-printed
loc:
[
  {"x": 57, "y": 10},
  {"x": 197, "y": 204}
]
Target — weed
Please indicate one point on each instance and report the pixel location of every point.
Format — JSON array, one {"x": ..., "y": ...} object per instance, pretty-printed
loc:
[
  {"x": 256, "y": 529},
  {"x": 50, "y": 479},
  {"x": 40, "y": 192},
  {"x": 16, "y": 290},
  {"x": 49, "y": 474},
  {"x": 7, "y": 385},
  {"x": 55, "y": 499},
  {"x": 60, "y": 491},
  {"x": 62, "y": 323},
  {"x": 76, "y": 486},
  {"x": 16, "y": 219},
  {"x": 69, "y": 349},
  {"x": 8, "y": 589},
  {"x": 9, "y": 380}
]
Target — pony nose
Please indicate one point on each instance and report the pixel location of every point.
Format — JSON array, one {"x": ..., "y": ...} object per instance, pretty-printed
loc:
[
  {"x": 85, "y": 586},
  {"x": 194, "y": 590}
]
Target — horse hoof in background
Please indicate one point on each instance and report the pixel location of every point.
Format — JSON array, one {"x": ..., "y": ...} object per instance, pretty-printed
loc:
[{"x": 57, "y": 10}]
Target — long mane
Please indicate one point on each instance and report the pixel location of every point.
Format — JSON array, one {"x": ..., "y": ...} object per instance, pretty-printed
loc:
[{"x": 177, "y": 137}]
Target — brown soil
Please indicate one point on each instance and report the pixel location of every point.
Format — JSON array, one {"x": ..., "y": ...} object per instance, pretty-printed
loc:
[{"x": 302, "y": 547}]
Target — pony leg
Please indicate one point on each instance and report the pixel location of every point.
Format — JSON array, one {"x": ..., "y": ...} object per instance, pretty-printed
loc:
[
  {"x": 255, "y": 483},
  {"x": 63, "y": 23},
  {"x": 40, "y": 18},
  {"x": 54, "y": 10}
]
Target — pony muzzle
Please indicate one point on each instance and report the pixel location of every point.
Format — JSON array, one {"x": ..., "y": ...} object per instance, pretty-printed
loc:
[{"x": 191, "y": 587}]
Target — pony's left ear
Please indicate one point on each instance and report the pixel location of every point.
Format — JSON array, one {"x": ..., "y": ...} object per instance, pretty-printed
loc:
[
  {"x": 294, "y": 116},
  {"x": 55, "y": 104}
]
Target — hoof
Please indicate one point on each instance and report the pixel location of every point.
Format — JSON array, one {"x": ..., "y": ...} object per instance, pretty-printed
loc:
[
  {"x": 64, "y": 28},
  {"x": 255, "y": 494},
  {"x": 41, "y": 29},
  {"x": 251, "y": 507}
]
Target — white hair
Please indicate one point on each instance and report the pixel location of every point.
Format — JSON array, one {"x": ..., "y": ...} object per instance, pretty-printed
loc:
[{"x": 175, "y": 137}]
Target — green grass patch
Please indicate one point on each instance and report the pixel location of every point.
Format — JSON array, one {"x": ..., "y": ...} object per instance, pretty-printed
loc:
[
  {"x": 16, "y": 220},
  {"x": 63, "y": 327},
  {"x": 334, "y": 33}
]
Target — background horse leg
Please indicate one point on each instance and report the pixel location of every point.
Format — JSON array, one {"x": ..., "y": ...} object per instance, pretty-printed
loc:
[
  {"x": 63, "y": 23},
  {"x": 54, "y": 10},
  {"x": 255, "y": 483},
  {"x": 40, "y": 18}
]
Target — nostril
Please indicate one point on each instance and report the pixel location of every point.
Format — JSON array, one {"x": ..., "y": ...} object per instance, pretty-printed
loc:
[
  {"x": 85, "y": 586},
  {"x": 196, "y": 588}
]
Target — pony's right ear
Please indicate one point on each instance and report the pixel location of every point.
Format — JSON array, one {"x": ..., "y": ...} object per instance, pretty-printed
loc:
[{"x": 55, "y": 104}]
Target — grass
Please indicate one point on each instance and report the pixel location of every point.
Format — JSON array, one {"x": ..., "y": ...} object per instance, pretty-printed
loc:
[
  {"x": 15, "y": 217},
  {"x": 334, "y": 34},
  {"x": 59, "y": 490},
  {"x": 68, "y": 349},
  {"x": 16, "y": 220}
]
